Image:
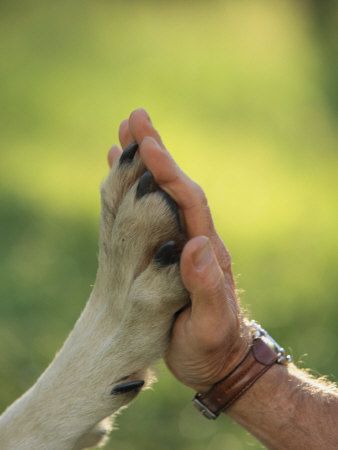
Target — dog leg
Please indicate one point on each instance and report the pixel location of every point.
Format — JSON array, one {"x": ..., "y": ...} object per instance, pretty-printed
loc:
[{"x": 124, "y": 327}]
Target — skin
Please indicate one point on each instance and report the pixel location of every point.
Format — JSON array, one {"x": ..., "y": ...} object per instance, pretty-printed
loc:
[{"x": 285, "y": 408}]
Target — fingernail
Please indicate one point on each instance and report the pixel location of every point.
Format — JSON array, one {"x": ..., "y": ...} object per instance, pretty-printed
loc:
[
  {"x": 145, "y": 113},
  {"x": 202, "y": 257}
]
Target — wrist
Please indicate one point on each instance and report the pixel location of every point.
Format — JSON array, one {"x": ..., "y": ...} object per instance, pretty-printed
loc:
[
  {"x": 239, "y": 350},
  {"x": 230, "y": 355},
  {"x": 263, "y": 354}
]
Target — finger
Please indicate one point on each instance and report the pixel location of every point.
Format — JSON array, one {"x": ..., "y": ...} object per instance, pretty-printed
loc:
[
  {"x": 125, "y": 135},
  {"x": 140, "y": 126},
  {"x": 187, "y": 194},
  {"x": 213, "y": 302},
  {"x": 113, "y": 154}
]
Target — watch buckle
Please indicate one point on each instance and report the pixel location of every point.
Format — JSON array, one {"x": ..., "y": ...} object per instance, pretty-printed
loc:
[{"x": 204, "y": 410}]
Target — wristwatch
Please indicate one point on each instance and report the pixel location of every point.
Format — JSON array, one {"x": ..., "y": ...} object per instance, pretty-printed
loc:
[{"x": 263, "y": 353}]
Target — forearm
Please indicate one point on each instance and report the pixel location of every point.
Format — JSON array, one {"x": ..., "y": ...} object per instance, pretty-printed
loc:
[
  {"x": 74, "y": 393},
  {"x": 287, "y": 409}
]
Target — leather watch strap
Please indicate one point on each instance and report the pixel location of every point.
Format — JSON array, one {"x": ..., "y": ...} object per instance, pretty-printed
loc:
[{"x": 224, "y": 393}]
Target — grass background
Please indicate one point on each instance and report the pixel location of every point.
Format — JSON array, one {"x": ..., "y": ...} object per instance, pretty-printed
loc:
[{"x": 245, "y": 94}]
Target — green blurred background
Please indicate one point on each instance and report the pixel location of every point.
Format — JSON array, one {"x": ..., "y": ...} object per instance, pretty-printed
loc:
[{"x": 245, "y": 95}]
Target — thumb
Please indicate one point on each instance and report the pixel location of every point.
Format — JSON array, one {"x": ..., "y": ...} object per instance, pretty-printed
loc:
[{"x": 205, "y": 281}]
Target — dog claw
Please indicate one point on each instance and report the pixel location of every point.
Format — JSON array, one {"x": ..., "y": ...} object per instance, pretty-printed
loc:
[
  {"x": 128, "y": 153},
  {"x": 129, "y": 386},
  {"x": 168, "y": 254},
  {"x": 146, "y": 185}
]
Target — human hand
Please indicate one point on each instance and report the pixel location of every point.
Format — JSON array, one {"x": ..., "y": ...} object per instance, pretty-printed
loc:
[{"x": 209, "y": 338}]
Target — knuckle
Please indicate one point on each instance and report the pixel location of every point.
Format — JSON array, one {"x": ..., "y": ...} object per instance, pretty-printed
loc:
[
  {"x": 216, "y": 290},
  {"x": 224, "y": 257},
  {"x": 200, "y": 194},
  {"x": 227, "y": 260}
]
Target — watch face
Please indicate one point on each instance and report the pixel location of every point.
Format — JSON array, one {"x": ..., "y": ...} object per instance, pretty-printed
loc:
[
  {"x": 258, "y": 331},
  {"x": 271, "y": 343}
]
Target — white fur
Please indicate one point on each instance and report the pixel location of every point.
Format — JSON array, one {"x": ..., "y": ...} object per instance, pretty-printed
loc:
[{"x": 123, "y": 329}]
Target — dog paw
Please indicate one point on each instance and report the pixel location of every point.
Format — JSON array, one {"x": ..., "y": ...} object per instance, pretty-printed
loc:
[{"x": 141, "y": 239}]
